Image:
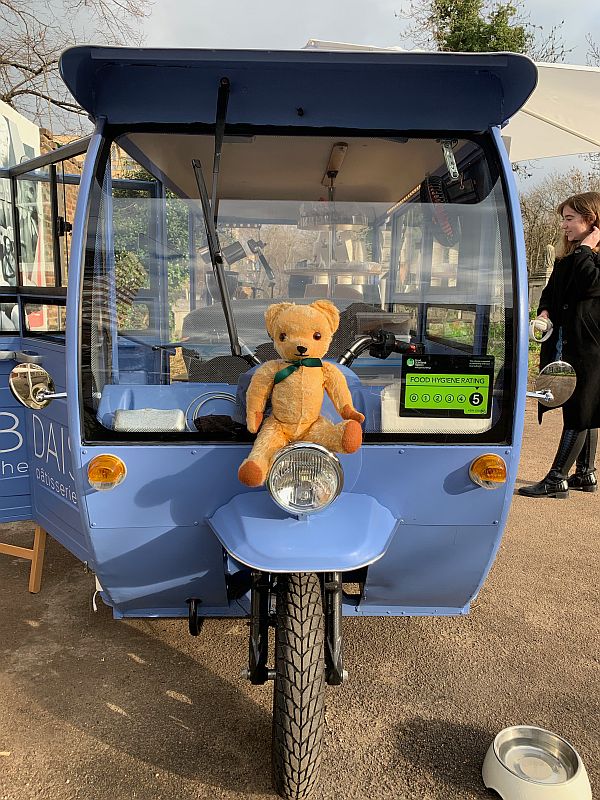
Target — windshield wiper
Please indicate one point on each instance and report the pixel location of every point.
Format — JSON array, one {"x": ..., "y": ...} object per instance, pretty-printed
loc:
[{"x": 210, "y": 213}]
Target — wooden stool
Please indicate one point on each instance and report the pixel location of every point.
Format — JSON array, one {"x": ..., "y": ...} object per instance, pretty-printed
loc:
[{"x": 35, "y": 554}]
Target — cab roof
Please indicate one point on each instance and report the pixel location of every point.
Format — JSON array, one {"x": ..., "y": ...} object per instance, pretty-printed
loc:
[{"x": 413, "y": 91}]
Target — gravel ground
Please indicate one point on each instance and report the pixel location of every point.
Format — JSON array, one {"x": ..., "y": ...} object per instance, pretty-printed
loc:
[{"x": 105, "y": 710}]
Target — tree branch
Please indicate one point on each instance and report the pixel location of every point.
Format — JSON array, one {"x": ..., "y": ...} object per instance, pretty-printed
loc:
[
  {"x": 65, "y": 104},
  {"x": 33, "y": 33}
]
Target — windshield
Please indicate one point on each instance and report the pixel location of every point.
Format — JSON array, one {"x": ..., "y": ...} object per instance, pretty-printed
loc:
[{"x": 408, "y": 237}]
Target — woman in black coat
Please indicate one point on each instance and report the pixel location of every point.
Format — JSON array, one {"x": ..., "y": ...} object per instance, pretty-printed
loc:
[{"x": 571, "y": 301}]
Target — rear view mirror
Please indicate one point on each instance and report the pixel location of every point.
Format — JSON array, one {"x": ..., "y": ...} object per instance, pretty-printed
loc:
[
  {"x": 32, "y": 386},
  {"x": 555, "y": 384}
]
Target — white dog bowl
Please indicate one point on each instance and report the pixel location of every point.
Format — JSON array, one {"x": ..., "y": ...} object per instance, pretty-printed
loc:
[{"x": 527, "y": 763}]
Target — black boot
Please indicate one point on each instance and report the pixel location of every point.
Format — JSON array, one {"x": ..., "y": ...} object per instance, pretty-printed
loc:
[
  {"x": 584, "y": 479},
  {"x": 555, "y": 483}
]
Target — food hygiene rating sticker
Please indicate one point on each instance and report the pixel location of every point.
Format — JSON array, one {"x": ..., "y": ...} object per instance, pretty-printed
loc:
[{"x": 447, "y": 386}]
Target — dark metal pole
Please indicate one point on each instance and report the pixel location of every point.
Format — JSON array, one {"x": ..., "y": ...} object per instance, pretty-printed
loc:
[
  {"x": 53, "y": 187},
  {"x": 222, "y": 102},
  {"x": 16, "y": 231}
]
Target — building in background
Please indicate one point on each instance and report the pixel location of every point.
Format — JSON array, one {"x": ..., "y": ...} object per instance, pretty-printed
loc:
[{"x": 19, "y": 141}]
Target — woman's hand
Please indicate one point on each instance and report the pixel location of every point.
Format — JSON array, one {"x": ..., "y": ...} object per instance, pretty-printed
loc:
[
  {"x": 540, "y": 328},
  {"x": 593, "y": 238}
]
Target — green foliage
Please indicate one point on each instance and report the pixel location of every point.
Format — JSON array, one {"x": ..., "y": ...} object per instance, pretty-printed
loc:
[
  {"x": 135, "y": 253},
  {"x": 481, "y": 26},
  {"x": 130, "y": 276},
  {"x": 466, "y": 26}
]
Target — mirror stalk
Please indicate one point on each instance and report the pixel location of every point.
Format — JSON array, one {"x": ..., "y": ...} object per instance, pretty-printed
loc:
[{"x": 546, "y": 396}]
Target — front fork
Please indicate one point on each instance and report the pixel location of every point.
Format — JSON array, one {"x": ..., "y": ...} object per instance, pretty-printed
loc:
[
  {"x": 335, "y": 674},
  {"x": 262, "y": 617}
]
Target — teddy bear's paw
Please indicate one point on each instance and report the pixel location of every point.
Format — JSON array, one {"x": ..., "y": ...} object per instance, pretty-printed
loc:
[
  {"x": 352, "y": 436},
  {"x": 351, "y": 413},
  {"x": 251, "y": 474}
]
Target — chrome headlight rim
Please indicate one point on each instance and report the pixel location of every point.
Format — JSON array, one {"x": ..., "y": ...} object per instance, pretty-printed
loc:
[{"x": 303, "y": 446}]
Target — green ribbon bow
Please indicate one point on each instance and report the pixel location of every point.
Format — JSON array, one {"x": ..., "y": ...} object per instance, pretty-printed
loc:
[{"x": 294, "y": 365}]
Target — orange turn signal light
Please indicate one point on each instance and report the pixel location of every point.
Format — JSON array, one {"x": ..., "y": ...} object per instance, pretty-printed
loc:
[
  {"x": 105, "y": 472},
  {"x": 488, "y": 471}
]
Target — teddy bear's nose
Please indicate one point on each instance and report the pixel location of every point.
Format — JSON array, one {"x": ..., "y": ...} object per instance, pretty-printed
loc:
[{"x": 301, "y": 349}]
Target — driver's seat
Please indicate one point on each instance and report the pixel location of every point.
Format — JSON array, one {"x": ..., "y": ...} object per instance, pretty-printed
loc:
[{"x": 220, "y": 369}]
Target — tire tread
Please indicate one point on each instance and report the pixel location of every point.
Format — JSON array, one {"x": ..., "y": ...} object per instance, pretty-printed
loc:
[{"x": 298, "y": 700}]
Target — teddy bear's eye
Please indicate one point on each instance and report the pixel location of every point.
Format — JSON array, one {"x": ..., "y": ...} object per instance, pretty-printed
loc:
[
  {"x": 316, "y": 335},
  {"x": 282, "y": 337}
]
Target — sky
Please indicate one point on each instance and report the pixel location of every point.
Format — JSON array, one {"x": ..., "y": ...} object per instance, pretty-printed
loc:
[{"x": 289, "y": 24}]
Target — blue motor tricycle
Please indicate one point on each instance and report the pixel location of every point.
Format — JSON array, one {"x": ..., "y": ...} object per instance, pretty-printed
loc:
[{"x": 215, "y": 184}]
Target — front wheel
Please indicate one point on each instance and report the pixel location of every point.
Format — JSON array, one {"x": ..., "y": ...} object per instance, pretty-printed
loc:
[{"x": 298, "y": 701}]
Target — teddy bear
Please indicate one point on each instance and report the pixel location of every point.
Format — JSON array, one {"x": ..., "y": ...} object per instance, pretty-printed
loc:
[{"x": 295, "y": 385}]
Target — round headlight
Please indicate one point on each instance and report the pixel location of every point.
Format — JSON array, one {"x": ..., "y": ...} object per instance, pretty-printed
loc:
[{"x": 305, "y": 478}]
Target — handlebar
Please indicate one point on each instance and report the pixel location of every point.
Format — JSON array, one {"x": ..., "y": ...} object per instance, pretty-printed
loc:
[{"x": 380, "y": 344}]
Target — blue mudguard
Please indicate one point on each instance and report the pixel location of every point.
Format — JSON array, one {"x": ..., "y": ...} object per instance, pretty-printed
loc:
[{"x": 353, "y": 532}]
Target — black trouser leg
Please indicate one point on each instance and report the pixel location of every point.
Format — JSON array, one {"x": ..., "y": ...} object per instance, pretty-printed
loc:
[
  {"x": 570, "y": 446},
  {"x": 587, "y": 456}
]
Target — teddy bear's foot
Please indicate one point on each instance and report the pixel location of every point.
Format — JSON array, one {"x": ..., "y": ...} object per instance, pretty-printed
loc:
[
  {"x": 251, "y": 473},
  {"x": 352, "y": 436}
]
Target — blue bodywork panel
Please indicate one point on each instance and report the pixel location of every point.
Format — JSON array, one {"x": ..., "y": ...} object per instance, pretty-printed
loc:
[
  {"x": 154, "y": 546},
  {"x": 352, "y": 533},
  {"x": 36, "y": 471},
  {"x": 415, "y": 91},
  {"x": 15, "y": 493}
]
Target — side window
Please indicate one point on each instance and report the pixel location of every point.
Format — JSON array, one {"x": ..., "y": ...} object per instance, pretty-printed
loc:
[
  {"x": 45, "y": 211},
  {"x": 453, "y": 326},
  {"x": 8, "y": 261},
  {"x": 135, "y": 244},
  {"x": 45, "y": 318},
  {"x": 34, "y": 216}
]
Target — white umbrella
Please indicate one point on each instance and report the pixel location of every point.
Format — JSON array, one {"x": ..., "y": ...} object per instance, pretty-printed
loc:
[{"x": 561, "y": 118}]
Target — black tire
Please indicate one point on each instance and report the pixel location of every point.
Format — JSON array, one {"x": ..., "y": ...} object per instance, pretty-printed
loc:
[{"x": 298, "y": 699}]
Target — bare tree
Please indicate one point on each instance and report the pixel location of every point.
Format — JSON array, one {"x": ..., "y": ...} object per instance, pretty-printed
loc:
[
  {"x": 33, "y": 33},
  {"x": 593, "y": 53},
  {"x": 541, "y": 223},
  {"x": 593, "y": 60}
]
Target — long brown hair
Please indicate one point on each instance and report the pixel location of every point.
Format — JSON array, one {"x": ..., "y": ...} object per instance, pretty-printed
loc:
[{"x": 588, "y": 205}]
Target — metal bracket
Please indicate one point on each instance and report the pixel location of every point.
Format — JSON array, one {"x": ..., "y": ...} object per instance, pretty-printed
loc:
[
  {"x": 335, "y": 674},
  {"x": 258, "y": 646},
  {"x": 194, "y": 621},
  {"x": 41, "y": 396},
  {"x": 449, "y": 157}
]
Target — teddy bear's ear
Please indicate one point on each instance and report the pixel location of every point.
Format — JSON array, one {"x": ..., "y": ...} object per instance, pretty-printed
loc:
[
  {"x": 330, "y": 312},
  {"x": 271, "y": 315}
]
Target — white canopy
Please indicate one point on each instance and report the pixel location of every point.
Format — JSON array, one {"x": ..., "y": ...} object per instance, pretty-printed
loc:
[{"x": 561, "y": 118}]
